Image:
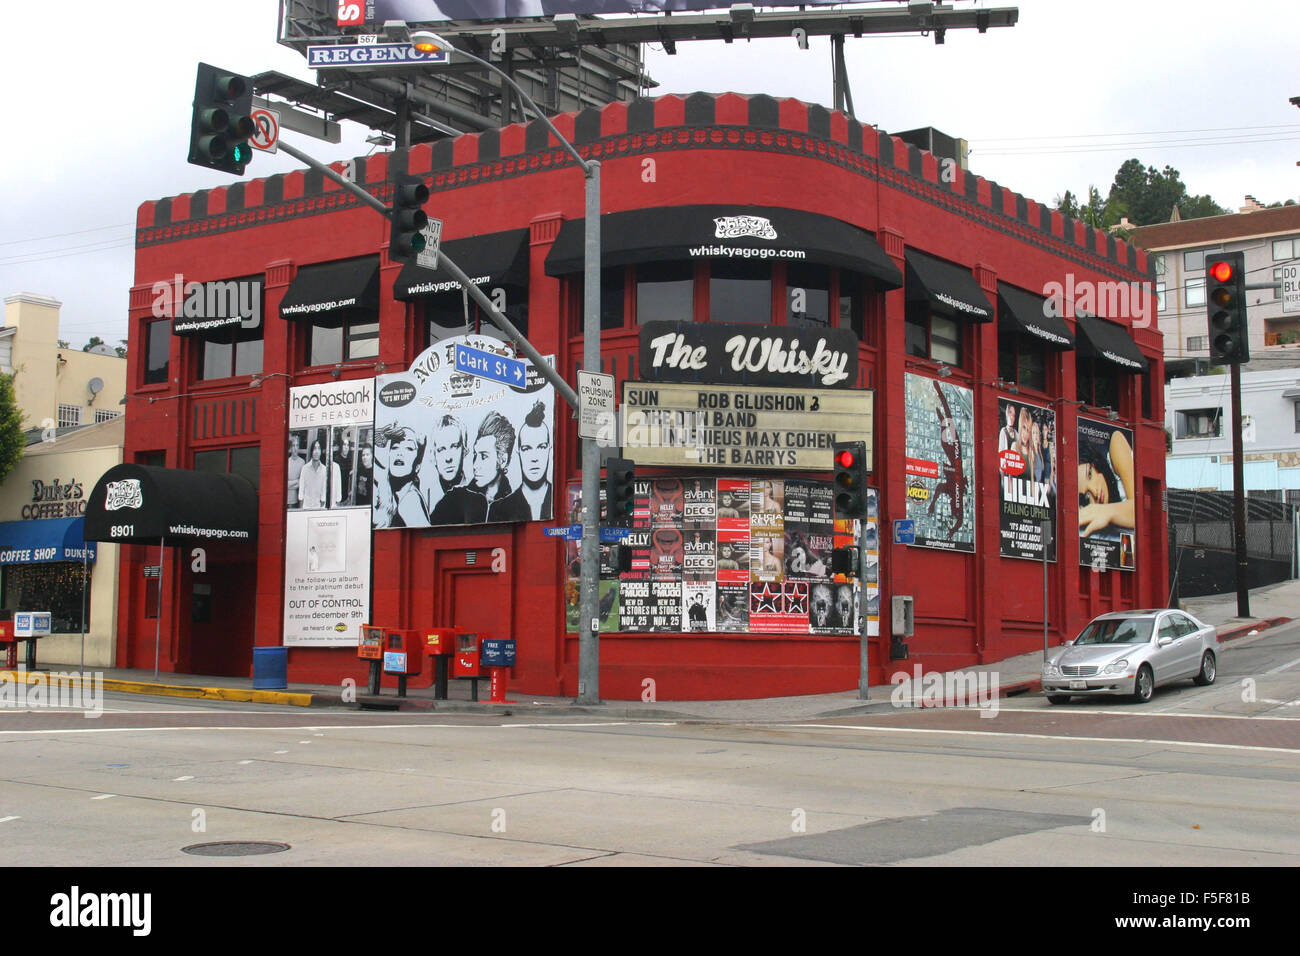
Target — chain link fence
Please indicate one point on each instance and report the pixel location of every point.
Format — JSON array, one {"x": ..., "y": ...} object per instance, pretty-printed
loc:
[{"x": 1201, "y": 540}]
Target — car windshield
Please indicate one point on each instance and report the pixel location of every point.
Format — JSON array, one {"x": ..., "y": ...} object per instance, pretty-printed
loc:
[{"x": 1117, "y": 631}]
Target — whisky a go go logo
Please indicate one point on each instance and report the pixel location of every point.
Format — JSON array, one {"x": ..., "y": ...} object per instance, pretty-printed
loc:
[{"x": 119, "y": 495}]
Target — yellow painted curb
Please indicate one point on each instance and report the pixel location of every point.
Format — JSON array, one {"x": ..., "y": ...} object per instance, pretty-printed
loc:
[{"x": 174, "y": 690}]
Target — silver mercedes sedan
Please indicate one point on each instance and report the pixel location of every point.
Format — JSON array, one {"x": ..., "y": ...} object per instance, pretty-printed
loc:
[{"x": 1131, "y": 653}]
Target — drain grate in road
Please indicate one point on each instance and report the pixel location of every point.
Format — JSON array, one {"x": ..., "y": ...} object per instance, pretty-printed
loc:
[
  {"x": 908, "y": 838},
  {"x": 234, "y": 849}
]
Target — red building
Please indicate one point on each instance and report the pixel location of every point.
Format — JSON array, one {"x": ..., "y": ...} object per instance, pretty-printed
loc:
[{"x": 939, "y": 275}]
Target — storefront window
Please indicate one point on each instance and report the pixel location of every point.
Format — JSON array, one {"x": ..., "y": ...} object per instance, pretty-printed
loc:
[
  {"x": 245, "y": 462},
  {"x": 808, "y": 296},
  {"x": 933, "y": 336},
  {"x": 740, "y": 294},
  {"x": 1098, "y": 383},
  {"x": 231, "y": 353},
  {"x": 446, "y": 316},
  {"x": 157, "y": 349},
  {"x": 665, "y": 291},
  {"x": 340, "y": 340},
  {"x": 1022, "y": 360},
  {"x": 55, "y": 587}
]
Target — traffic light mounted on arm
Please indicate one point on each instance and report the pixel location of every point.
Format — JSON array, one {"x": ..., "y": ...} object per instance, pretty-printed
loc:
[
  {"x": 221, "y": 125},
  {"x": 406, "y": 239},
  {"x": 1225, "y": 303}
]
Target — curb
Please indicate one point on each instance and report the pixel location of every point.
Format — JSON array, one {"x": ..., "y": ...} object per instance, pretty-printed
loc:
[
  {"x": 291, "y": 699},
  {"x": 1244, "y": 629}
]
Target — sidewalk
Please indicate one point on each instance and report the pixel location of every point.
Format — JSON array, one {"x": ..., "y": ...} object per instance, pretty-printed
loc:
[{"x": 1016, "y": 675}]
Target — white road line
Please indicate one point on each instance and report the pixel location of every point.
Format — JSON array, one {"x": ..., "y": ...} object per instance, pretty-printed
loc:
[
  {"x": 244, "y": 762},
  {"x": 619, "y": 723},
  {"x": 1146, "y": 741},
  {"x": 1088, "y": 712},
  {"x": 181, "y": 779},
  {"x": 1280, "y": 668},
  {"x": 7, "y": 819},
  {"x": 104, "y": 796}
]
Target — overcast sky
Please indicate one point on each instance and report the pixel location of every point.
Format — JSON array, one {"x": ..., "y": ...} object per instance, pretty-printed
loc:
[{"x": 1057, "y": 102}]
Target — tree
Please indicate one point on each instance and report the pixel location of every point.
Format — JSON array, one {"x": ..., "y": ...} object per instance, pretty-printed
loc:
[
  {"x": 120, "y": 349},
  {"x": 94, "y": 340},
  {"x": 1145, "y": 195},
  {"x": 13, "y": 443}
]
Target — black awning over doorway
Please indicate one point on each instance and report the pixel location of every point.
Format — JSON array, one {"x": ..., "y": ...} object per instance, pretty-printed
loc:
[
  {"x": 328, "y": 288},
  {"x": 495, "y": 259},
  {"x": 1099, "y": 338},
  {"x": 144, "y": 504},
  {"x": 949, "y": 289},
  {"x": 1032, "y": 315},
  {"x": 724, "y": 233}
]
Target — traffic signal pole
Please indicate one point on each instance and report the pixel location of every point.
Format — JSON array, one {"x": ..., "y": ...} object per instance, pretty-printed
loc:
[{"x": 1239, "y": 495}]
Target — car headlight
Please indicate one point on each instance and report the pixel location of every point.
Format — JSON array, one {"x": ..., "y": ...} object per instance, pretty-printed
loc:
[
  {"x": 1117, "y": 667},
  {"x": 1051, "y": 669}
]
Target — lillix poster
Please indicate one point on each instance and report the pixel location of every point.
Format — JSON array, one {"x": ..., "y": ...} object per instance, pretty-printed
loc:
[{"x": 1027, "y": 480}]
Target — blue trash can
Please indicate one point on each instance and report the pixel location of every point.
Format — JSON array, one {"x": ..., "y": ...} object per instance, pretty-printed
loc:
[{"x": 270, "y": 668}]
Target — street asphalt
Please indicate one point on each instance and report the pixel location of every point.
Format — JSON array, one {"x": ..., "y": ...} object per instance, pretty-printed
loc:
[{"x": 1269, "y": 606}]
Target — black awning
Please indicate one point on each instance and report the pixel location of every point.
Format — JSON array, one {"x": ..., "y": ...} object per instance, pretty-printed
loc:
[
  {"x": 1032, "y": 315},
  {"x": 950, "y": 289},
  {"x": 1107, "y": 340},
  {"x": 328, "y": 288},
  {"x": 724, "y": 233},
  {"x": 142, "y": 504},
  {"x": 496, "y": 259}
]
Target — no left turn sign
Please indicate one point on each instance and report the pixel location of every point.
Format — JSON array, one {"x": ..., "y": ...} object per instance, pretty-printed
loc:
[{"x": 266, "y": 129}]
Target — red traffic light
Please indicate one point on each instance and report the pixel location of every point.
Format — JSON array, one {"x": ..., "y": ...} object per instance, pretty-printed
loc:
[
  {"x": 845, "y": 458},
  {"x": 1221, "y": 271}
]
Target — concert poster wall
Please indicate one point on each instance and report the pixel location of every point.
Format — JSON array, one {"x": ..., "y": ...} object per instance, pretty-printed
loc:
[
  {"x": 940, "y": 467},
  {"x": 718, "y": 555}
]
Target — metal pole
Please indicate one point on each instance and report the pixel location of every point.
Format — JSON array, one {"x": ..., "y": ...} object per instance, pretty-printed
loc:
[
  {"x": 589, "y": 589},
  {"x": 1047, "y": 530},
  {"x": 157, "y": 629},
  {"x": 84, "y": 609},
  {"x": 864, "y": 646},
  {"x": 589, "y": 592},
  {"x": 1239, "y": 494}
]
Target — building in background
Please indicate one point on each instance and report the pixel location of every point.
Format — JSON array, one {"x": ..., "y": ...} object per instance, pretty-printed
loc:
[
  {"x": 1198, "y": 413},
  {"x": 1270, "y": 239},
  {"x": 57, "y": 387},
  {"x": 44, "y": 560},
  {"x": 72, "y": 403}
]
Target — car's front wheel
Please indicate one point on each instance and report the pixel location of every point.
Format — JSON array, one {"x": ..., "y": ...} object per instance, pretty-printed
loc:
[
  {"x": 1209, "y": 668},
  {"x": 1144, "y": 687}
]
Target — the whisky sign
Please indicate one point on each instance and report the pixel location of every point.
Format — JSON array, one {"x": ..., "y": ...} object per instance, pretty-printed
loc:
[
  {"x": 749, "y": 354},
  {"x": 724, "y": 426}
]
